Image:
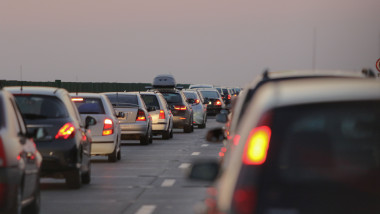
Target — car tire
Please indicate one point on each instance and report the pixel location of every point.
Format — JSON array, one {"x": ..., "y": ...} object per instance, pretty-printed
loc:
[
  {"x": 202, "y": 126},
  {"x": 35, "y": 206},
  {"x": 171, "y": 133},
  {"x": 187, "y": 129},
  {"x": 144, "y": 140},
  {"x": 74, "y": 179},
  {"x": 86, "y": 177},
  {"x": 113, "y": 156},
  {"x": 119, "y": 154},
  {"x": 166, "y": 135},
  {"x": 151, "y": 138}
]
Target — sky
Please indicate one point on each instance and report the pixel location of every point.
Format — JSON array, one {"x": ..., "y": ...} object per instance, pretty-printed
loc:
[{"x": 220, "y": 42}]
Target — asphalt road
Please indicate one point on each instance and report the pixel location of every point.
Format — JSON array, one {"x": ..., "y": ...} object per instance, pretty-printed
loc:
[{"x": 148, "y": 180}]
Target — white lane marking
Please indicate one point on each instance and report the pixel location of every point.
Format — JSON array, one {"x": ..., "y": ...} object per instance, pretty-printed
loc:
[
  {"x": 204, "y": 145},
  {"x": 168, "y": 183},
  {"x": 184, "y": 166},
  {"x": 146, "y": 209},
  {"x": 195, "y": 153}
]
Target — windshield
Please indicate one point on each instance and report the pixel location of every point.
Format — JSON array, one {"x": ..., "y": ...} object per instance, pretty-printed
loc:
[
  {"x": 172, "y": 97},
  {"x": 90, "y": 106},
  {"x": 210, "y": 94},
  {"x": 123, "y": 99},
  {"x": 334, "y": 142},
  {"x": 41, "y": 107}
]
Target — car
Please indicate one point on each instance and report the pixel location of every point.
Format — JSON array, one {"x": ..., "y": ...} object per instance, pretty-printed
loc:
[
  {"x": 181, "y": 110},
  {"x": 199, "y": 110},
  {"x": 106, "y": 134},
  {"x": 137, "y": 122},
  {"x": 66, "y": 146},
  {"x": 20, "y": 161},
  {"x": 226, "y": 95},
  {"x": 193, "y": 86},
  {"x": 162, "y": 117},
  {"x": 307, "y": 145},
  {"x": 240, "y": 102},
  {"x": 214, "y": 99}
]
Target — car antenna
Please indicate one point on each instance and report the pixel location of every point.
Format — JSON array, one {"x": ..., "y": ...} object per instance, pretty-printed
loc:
[{"x": 21, "y": 78}]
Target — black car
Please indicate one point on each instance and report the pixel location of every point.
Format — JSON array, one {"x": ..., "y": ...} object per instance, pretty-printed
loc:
[
  {"x": 215, "y": 102},
  {"x": 66, "y": 148},
  {"x": 20, "y": 161}
]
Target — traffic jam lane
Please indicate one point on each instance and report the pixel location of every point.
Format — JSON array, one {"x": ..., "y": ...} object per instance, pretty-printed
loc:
[{"x": 149, "y": 179}]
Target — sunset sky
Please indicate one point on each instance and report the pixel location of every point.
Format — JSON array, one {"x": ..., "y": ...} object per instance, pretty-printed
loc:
[{"x": 222, "y": 42}]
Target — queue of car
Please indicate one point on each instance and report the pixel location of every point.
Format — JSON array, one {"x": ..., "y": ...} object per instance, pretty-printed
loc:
[
  {"x": 298, "y": 142},
  {"x": 49, "y": 132}
]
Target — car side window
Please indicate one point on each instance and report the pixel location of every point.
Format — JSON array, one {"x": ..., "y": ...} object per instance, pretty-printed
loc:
[{"x": 20, "y": 122}]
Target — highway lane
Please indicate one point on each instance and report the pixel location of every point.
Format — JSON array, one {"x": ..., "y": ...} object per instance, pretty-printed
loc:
[{"x": 148, "y": 180}]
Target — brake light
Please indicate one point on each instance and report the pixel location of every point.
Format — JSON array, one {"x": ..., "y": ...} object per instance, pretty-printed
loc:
[
  {"x": 229, "y": 96},
  {"x": 140, "y": 115},
  {"x": 107, "y": 127},
  {"x": 182, "y": 108},
  {"x": 256, "y": 147},
  {"x": 197, "y": 101},
  {"x": 66, "y": 131},
  {"x": 245, "y": 200},
  {"x": 218, "y": 103},
  {"x": 3, "y": 160},
  {"x": 162, "y": 115},
  {"x": 77, "y": 99}
]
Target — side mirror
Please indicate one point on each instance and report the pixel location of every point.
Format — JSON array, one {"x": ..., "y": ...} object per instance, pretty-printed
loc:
[
  {"x": 151, "y": 108},
  {"x": 221, "y": 118},
  {"x": 215, "y": 135},
  {"x": 90, "y": 121},
  {"x": 204, "y": 171},
  {"x": 120, "y": 114},
  {"x": 190, "y": 101}
]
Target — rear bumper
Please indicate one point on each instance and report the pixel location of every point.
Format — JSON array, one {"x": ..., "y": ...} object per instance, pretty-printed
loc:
[
  {"x": 214, "y": 109},
  {"x": 159, "y": 127},
  {"x": 102, "y": 147},
  {"x": 179, "y": 122}
]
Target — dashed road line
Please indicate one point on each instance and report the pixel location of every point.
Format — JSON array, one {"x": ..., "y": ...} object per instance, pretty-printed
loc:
[
  {"x": 168, "y": 183},
  {"x": 204, "y": 145},
  {"x": 184, "y": 166},
  {"x": 195, "y": 153},
  {"x": 146, "y": 209}
]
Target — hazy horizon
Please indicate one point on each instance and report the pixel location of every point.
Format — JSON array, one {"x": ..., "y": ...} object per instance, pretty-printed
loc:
[{"x": 218, "y": 42}]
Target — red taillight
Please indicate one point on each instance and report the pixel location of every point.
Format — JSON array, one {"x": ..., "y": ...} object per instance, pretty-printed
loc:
[
  {"x": 162, "y": 115},
  {"x": 107, "y": 127},
  {"x": 66, "y": 131},
  {"x": 236, "y": 140},
  {"x": 229, "y": 96},
  {"x": 140, "y": 115},
  {"x": 245, "y": 200},
  {"x": 197, "y": 101},
  {"x": 3, "y": 159},
  {"x": 77, "y": 99},
  {"x": 218, "y": 103},
  {"x": 182, "y": 108},
  {"x": 256, "y": 147}
]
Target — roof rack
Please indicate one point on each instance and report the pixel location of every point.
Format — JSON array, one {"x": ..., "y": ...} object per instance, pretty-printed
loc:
[{"x": 266, "y": 74}]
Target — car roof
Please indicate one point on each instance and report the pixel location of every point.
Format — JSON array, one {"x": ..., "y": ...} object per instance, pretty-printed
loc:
[
  {"x": 52, "y": 91},
  {"x": 92, "y": 95}
]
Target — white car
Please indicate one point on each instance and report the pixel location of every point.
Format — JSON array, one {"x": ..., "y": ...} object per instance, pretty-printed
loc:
[
  {"x": 199, "y": 109},
  {"x": 162, "y": 117},
  {"x": 106, "y": 133}
]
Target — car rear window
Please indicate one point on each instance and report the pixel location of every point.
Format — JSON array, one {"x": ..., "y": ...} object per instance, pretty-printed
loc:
[
  {"x": 172, "y": 97},
  {"x": 190, "y": 95},
  {"x": 210, "y": 94},
  {"x": 90, "y": 106},
  {"x": 225, "y": 91},
  {"x": 41, "y": 107},
  {"x": 151, "y": 100},
  {"x": 333, "y": 142},
  {"x": 123, "y": 99}
]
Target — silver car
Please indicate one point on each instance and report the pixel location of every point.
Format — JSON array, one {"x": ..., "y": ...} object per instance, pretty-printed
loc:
[
  {"x": 137, "y": 122},
  {"x": 199, "y": 109},
  {"x": 106, "y": 133},
  {"x": 162, "y": 117}
]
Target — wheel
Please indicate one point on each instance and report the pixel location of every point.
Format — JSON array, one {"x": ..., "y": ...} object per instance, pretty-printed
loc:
[
  {"x": 171, "y": 133},
  {"x": 187, "y": 129},
  {"x": 113, "y": 156},
  {"x": 202, "y": 126},
  {"x": 35, "y": 205},
  {"x": 74, "y": 179},
  {"x": 151, "y": 138},
  {"x": 166, "y": 135},
  {"x": 119, "y": 154},
  {"x": 86, "y": 177},
  {"x": 144, "y": 140}
]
